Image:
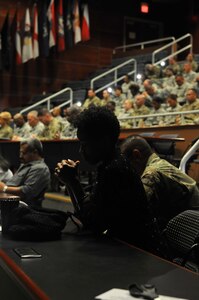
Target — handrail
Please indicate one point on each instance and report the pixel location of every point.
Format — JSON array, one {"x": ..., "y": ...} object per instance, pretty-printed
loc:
[
  {"x": 48, "y": 99},
  {"x": 187, "y": 155},
  {"x": 189, "y": 46},
  {"x": 142, "y": 44},
  {"x": 181, "y": 113},
  {"x": 115, "y": 70}
]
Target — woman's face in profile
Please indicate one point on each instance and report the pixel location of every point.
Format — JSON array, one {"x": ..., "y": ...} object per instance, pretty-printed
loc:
[{"x": 92, "y": 149}]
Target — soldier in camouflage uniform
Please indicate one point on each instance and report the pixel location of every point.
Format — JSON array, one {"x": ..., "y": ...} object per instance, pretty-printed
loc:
[
  {"x": 36, "y": 127},
  {"x": 52, "y": 127},
  {"x": 106, "y": 97},
  {"x": 180, "y": 88},
  {"x": 69, "y": 130},
  {"x": 140, "y": 109},
  {"x": 91, "y": 100},
  {"x": 191, "y": 104},
  {"x": 169, "y": 191},
  {"x": 118, "y": 97},
  {"x": 21, "y": 128},
  {"x": 6, "y": 131},
  {"x": 128, "y": 111},
  {"x": 173, "y": 106}
]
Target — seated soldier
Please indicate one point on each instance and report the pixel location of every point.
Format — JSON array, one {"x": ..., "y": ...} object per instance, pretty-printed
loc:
[
  {"x": 92, "y": 99},
  {"x": 20, "y": 127},
  {"x": 6, "y": 131},
  {"x": 52, "y": 128},
  {"x": 192, "y": 103},
  {"x": 32, "y": 178},
  {"x": 169, "y": 190}
]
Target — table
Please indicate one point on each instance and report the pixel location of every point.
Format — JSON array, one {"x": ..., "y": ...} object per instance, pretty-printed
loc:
[
  {"x": 82, "y": 267},
  {"x": 56, "y": 150}
]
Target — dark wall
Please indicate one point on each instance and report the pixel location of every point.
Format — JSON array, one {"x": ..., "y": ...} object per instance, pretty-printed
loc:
[{"x": 107, "y": 31}]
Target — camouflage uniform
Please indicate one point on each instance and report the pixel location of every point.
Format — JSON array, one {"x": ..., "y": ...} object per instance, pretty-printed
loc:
[
  {"x": 190, "y": 118},
  {"x": 170, "y": 120},
  {"x": 91, "y": 101},
  {"x": 6, "y": 132},
  {"x": 180, "y": 91},
  {"x": 139, "y": 111},
  {"x": 128, "y": 123},
  {"x": 21, "y": 131},
  {"x": 35, "y": 131},
  {"x": 151, "y": 121},
  {"x": 168, "y": 190},
  {"x": 69, "y": 132},
  {"x": 50, "y": 131}
]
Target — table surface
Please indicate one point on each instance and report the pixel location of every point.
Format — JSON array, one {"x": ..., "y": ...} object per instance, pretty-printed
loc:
[{"x": 83, "y": 266}]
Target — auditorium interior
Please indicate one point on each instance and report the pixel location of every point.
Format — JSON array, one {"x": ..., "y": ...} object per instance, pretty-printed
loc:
[{"x": 123, "y": 39}]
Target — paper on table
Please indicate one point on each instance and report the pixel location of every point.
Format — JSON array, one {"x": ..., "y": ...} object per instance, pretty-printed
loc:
[{"x": 120, "y": 294}]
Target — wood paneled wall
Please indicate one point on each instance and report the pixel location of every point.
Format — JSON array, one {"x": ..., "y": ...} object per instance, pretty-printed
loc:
[{"x": 48, "y": 74}]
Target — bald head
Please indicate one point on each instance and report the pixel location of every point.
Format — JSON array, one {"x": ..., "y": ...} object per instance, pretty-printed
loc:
[{"x": 137, "y": 151}]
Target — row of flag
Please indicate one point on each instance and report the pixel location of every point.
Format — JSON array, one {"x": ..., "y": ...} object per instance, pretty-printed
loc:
[{"x": 60, "y": 25}]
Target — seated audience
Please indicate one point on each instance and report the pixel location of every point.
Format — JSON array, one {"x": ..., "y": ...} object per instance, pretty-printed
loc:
[
  {"x": 169, "y": 191},
  {"x": 149, "y": 90},
  {"x": 36, "y": 127},
  {"x": 117, "y": 203},
  {"x": 127, "y": 111},
  {"x": 69, "y": 130},
  {"x": 168, "y": 81},
  {"x": 91, "y": 100},
  {"x": 180, "y": 88},
  {"x": 190, "y": 58},
  {"x": 6, "y": 131},
  {"x": 127, "y": 83},
  {"x": 157, "y": 109},
  {"x": 152, "y": 72},
  {"x": 195, "y": 85},
  {"x": 174, "y": 65},
  {"x": 106, "y": 97},
  {"x": 20, "y": 127},
  {"x": 118, "y": 96},
  {"x": 5, "y": 173},
  {"x": 188, "y": 73},
  {"x": 111, "y": 105},
  {"x": 192, "y": 103},
  {"x": 173, "y": 106},
  {"x": 52, "y": 127},
  {"x": 32, "y": 178},
  {"x": 140, "y": 109},
  {"x": 56, "y": 112}
]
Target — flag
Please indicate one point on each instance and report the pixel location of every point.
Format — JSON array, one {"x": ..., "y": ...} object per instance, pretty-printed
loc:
[
  {"x": 43, "y": 31},
  {"x": 35, "y": 37},
  {"x": 52, "y": 25},
  {"x": 5, "y": 44},
  {"x": 68, "y": 24},
  {"x": 18, "y": 41},
  {"x": 76, "y": 23},
  {"x": 15, "y": 41},
  {"x": 61, "y": 37},
  {"x": 85, "y": 24},
  {"x": 27, "y": 52}
]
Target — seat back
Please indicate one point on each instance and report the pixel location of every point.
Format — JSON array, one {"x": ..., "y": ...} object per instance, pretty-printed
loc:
[
  {"x": 182, "y": 235},
  {"x": 165, "y": 149}
]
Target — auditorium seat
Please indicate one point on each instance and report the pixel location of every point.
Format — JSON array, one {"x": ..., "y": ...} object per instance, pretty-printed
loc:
[{"x": 166, "y": 149}]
